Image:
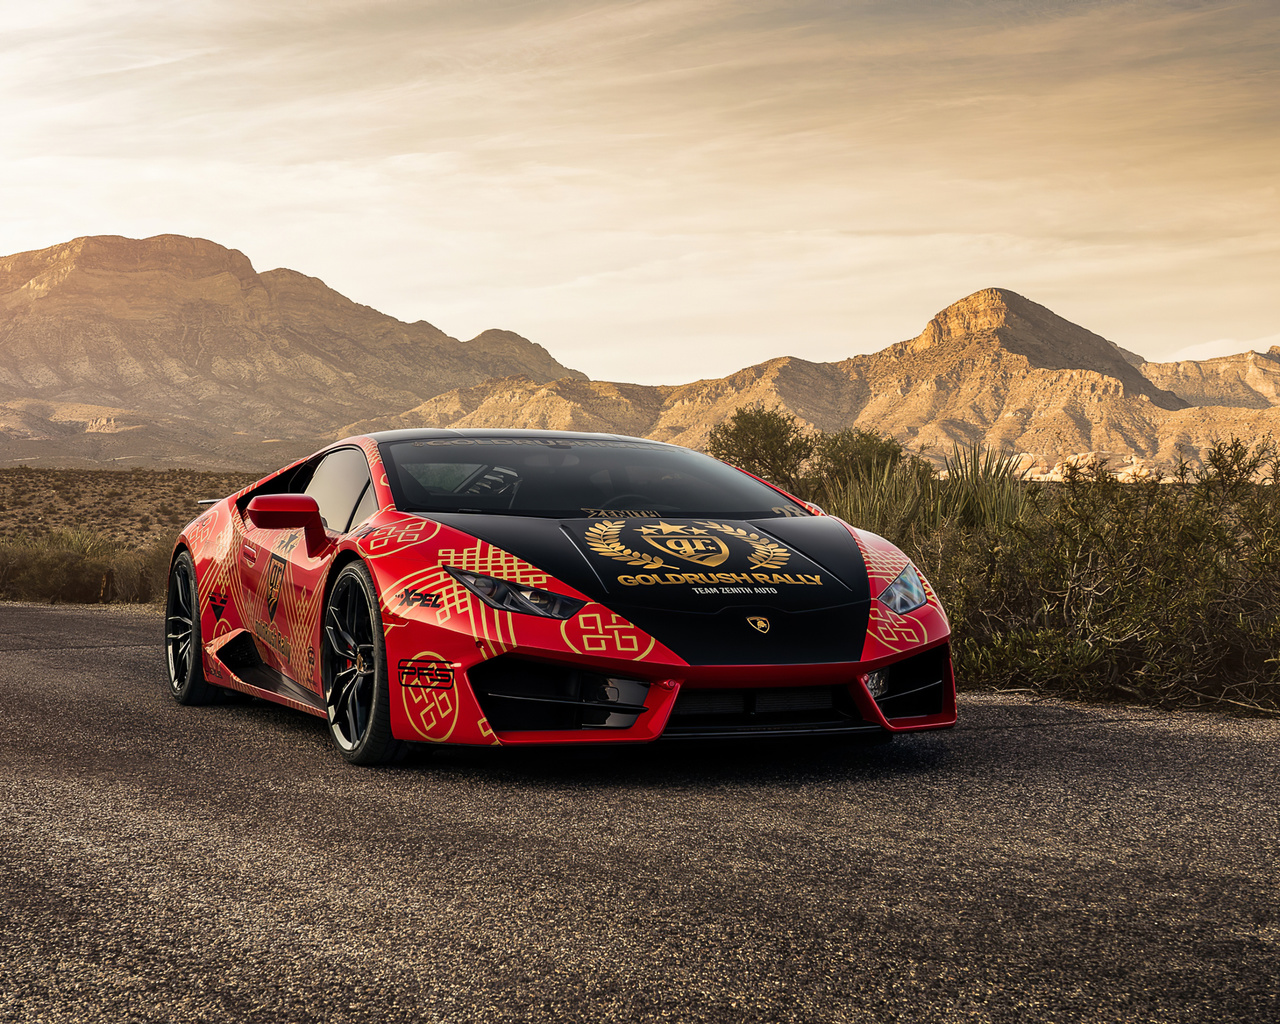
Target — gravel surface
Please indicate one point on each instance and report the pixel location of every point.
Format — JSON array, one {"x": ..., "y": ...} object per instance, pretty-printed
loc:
[{"x": 1041, "y": 862}]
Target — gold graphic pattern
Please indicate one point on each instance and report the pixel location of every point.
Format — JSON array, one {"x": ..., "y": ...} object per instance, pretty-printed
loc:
[
  {"x": 490, "y": 561},
  {"x": 600, "y": 631},
  {"x": 765, "y": 554},
  {"x": 884, "y": 564},
  {"x": 896, "y": 632},
  {"x": 493, "y": 628},
  {"x": 432, "y": 713},
  {"x": 604, "y": 538},
  {"x": 399, "y": 535}
]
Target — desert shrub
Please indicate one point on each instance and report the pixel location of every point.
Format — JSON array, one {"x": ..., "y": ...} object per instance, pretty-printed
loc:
[
  {"x": 78, "y": 566},
  {"x": 765, "y": 442},
  {"x": 1164, "y": 593},
  {"x": 848, "y": 453}
]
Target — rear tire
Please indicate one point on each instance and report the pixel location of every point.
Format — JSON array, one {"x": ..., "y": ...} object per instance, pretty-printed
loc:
[
  {"x": 184, "y": 655},
  {"x": 354, "y": 670}
]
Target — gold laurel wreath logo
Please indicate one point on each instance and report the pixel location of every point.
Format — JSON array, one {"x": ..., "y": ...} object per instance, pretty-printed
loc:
[
  {"x": 765, "y": 554},
  {"x": 604, "y": 538}
]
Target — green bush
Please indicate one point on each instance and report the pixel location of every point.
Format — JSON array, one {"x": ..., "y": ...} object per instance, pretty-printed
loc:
[{"x": 765, "y": 442}]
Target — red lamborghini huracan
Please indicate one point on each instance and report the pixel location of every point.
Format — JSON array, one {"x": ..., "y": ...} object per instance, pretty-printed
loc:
[{"x": 503, "y": 587}]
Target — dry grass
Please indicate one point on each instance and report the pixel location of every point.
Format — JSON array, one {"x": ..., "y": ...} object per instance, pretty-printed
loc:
[
  {"x": 96, "y": 535},
  {"x": 1167, "y": 594},
  {"x": 135, "y": 508}
]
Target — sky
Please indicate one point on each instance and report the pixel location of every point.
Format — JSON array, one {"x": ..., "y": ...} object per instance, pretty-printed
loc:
[{"x": 664, "y": 190}]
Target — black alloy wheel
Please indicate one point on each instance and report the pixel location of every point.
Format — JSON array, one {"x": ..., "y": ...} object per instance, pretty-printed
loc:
[
  {"x": 182, "y": 648},
  {"x": 355, "y": 672}
]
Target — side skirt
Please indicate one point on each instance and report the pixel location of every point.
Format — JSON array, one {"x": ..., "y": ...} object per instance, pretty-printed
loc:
[{"x": 232, "y": 661}]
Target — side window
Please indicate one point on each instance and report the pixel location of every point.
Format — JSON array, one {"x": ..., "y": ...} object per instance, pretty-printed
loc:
[
  {"x": 368, "y": 506},
  {"x": 337, "y": 484}
]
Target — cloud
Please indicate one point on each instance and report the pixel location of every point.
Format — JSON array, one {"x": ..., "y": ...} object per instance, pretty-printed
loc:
[
  {"x": 1223, "y": 347},
  {"x": 734, "y": 180}
]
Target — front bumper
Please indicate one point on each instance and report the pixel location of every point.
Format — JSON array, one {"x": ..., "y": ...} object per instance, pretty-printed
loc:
[{"x": 529, "y": 701}]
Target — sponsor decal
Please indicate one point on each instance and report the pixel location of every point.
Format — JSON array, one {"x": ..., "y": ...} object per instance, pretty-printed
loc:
[
  {"x": 759, "y": 623},
  {"x": 704, "y": 543},
  {"x": 726, "y": 582},
  {"x": 275, "y": 577},
  {"x": 689, "y": 543},
  {"x": 536, "y": 442},
  {"x": 218, "y": 602},
  {"x": 419, "y": 599},
  {"x": 429, "y": 672},
  {"x": 269, "y": 633},
  {"x": 621, "y": 513},
  {"x": 431, "y": 708}
]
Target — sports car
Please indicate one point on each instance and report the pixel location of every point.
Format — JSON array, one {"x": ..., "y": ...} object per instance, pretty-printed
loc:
[{"x": 543, "y": 587}]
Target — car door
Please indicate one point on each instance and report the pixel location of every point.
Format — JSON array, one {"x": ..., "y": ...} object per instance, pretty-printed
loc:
[{"x": 284, "y": 574}]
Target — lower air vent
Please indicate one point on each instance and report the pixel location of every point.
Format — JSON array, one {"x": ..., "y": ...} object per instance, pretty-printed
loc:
[
  {"x": 517, "y": 695},
  {"x": 917, "y": 685},
  {"x": 765, "y": 711}
]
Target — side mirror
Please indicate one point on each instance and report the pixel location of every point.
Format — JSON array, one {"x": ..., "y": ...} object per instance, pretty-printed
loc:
[{"x": 289, "y": 512}]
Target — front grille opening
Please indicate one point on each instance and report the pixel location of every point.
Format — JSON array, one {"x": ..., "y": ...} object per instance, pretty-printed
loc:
[
  {"x": 518, "y": 695},
  {"x": 917, "y": 685},
  {"x": 776, "y": 710}
]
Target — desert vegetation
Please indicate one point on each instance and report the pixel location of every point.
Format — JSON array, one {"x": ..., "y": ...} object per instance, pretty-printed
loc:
[
  {"x": 1167, "y": 594},
  {"x": 96, "y": 535}
]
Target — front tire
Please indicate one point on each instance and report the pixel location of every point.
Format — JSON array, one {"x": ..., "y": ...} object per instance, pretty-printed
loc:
[
  {"x": 183, "y": 651},
  {"x": 354, "y": 670}
]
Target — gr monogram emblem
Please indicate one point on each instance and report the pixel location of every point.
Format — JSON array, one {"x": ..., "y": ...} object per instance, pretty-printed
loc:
[
  {"x": 704, "y": 543},
  {"x": 275, "y": 577},
  {"x": 690, "y": 543},
  {"x": 759, "y": 622}
]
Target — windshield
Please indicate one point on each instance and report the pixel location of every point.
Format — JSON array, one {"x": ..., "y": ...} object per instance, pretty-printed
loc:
[{"x": 571, "y": 479}]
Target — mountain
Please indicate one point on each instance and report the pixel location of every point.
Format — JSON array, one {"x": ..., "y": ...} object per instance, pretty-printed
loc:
[
  {"x": 175, "y": 351},
  {"x": 994, "y": 367},
  {"x": 1250, "y": 380},
  {"x": 175, "y": 347}
]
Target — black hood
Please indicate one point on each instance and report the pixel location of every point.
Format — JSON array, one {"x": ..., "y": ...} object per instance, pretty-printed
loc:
[{"x": 697, "y": 584}]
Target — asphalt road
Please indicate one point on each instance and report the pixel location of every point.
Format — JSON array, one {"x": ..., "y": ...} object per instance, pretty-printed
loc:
[{"x": 1040, "y": 862}]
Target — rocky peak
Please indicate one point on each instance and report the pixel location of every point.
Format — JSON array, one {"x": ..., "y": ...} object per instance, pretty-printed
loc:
[
  {"x": 995, "y": 321},
  {"x": 81, "y": 261},
  {"x": 156, "y": 328},
  {"x": 982, "y": 312},
  {"x": 131, "y": 278}
]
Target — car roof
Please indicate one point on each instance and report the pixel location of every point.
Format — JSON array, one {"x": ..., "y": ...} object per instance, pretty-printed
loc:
[{"x": 425, "y": 433}]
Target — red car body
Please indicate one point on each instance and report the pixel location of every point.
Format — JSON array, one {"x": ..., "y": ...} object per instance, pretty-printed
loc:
[{"x": 641, "y": 656}]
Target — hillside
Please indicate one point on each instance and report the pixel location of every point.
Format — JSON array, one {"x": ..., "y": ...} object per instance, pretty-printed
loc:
[
  {"x": 173, "y": 345},
  {"x": 174, "y": 351},
  {"x": 994, "y": 367}
]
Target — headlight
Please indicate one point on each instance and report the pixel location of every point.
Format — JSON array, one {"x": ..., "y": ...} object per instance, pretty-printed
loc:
[
  {"x": 512, "y": 597},
  {"x": 906, "y": 593}
]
